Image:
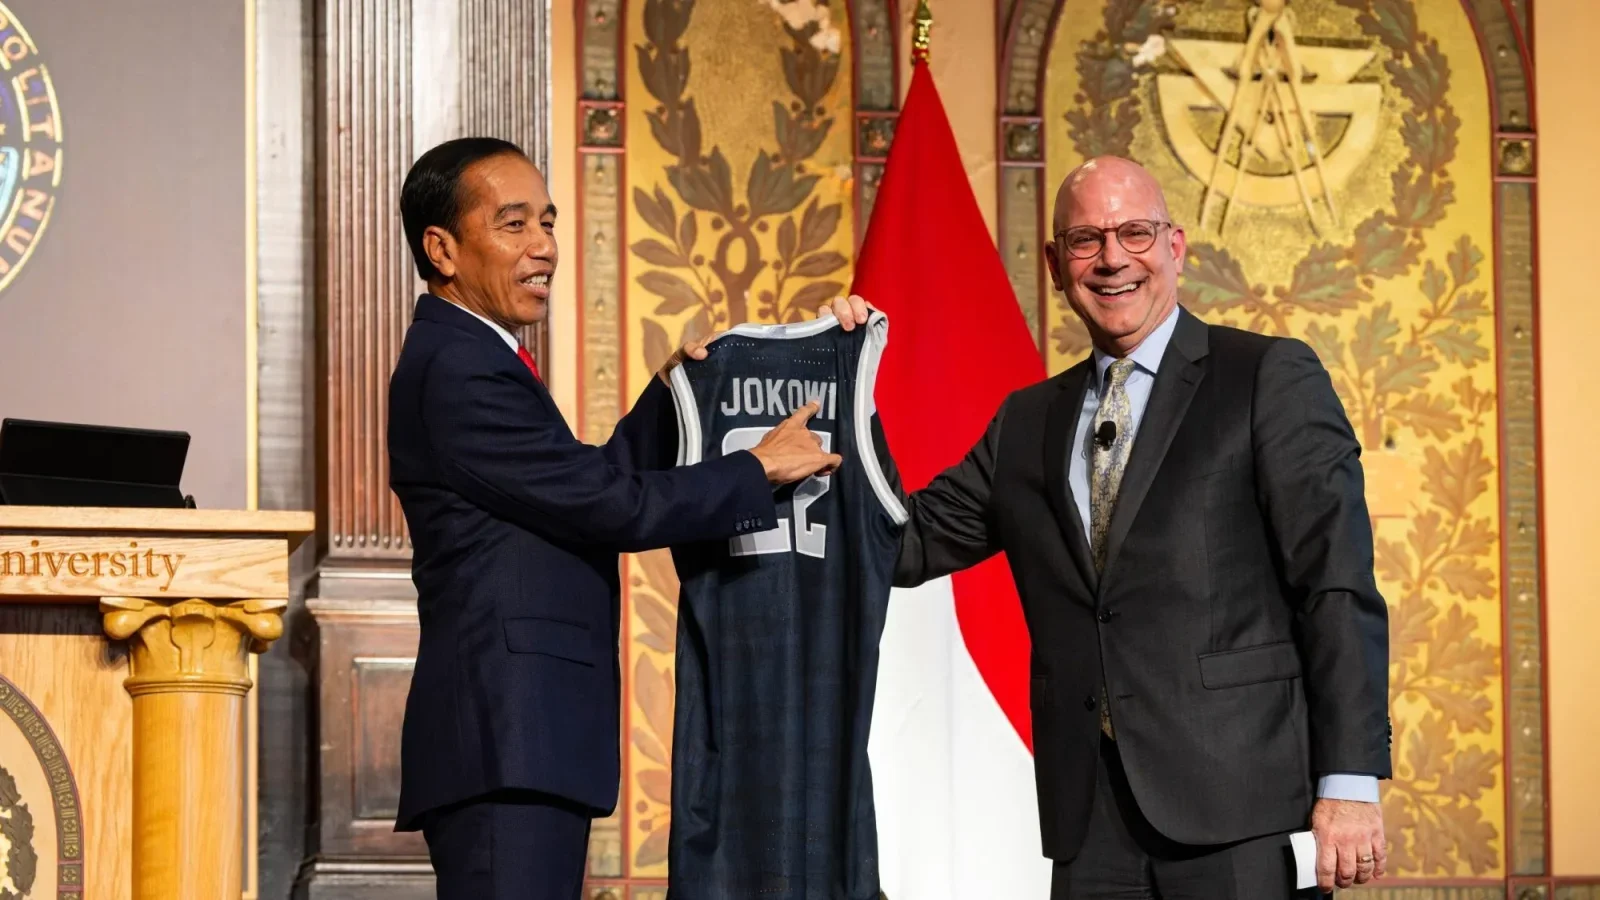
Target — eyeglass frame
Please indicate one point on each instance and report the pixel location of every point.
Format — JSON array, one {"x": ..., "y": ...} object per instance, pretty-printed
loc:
[{"x": 1156, "y": 226}]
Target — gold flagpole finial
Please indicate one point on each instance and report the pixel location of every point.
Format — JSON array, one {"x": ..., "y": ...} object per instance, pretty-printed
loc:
[{"x": 921, "y": 25}]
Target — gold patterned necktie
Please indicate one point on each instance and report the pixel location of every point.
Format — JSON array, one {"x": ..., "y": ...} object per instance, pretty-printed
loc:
[
  {"x": 1109, "y": 461},
  {"x": 1106, "y": 479}
]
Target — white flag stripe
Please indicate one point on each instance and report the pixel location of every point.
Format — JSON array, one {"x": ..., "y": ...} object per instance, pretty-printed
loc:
[{"x": 953, "y": 783}]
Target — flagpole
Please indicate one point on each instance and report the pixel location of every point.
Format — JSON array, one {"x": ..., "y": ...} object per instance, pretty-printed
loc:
[{"x": 922, "y": 26}]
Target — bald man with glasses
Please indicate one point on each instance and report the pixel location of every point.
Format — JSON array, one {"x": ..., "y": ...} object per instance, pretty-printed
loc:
[{"x": 1185, "y": 518}]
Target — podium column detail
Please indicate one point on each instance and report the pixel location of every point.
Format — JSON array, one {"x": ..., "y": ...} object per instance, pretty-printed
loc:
[{"x": 189, "y": 677}]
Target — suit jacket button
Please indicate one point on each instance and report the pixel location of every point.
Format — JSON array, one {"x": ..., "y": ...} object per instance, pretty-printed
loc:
[
  {"x": 1105, "y": 615},
  {"x": 1090, "y": 703}
]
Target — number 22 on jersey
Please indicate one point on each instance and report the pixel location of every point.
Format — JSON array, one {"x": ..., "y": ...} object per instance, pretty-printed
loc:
[{"x": 810, "y": 538}]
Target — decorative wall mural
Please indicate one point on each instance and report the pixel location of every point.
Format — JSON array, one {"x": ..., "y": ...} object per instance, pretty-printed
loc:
[
  {"x": 41, "y": 821},
  {"x": 1330, "y": 160},
  {"x": 30, "y": 147}
]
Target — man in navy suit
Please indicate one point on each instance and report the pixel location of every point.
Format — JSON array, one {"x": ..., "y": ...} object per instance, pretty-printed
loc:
[{"x": 510, "y": 741}]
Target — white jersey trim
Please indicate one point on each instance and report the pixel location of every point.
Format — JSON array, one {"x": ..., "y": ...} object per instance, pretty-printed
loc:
[
  {"x": 866, "y": 385},
  {"x": 689, "y": 435}
]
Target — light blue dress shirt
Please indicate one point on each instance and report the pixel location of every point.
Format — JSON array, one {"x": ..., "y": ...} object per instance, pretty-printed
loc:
[{"x": 1147, "y": 360}]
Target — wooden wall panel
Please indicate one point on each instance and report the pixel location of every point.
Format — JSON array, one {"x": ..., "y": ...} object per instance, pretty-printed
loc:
[{"x": 367, "y": 650}]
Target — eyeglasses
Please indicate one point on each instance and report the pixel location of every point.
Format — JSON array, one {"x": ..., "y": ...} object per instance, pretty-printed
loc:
[{"x": 1135, "y": 236}]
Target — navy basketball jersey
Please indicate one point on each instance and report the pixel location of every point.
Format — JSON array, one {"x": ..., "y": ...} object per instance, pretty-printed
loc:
[{"x": 778, "y": 631}]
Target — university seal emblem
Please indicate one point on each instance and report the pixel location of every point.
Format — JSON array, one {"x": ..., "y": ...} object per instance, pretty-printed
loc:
[
  {"x": 41, "y": 822},
  {"x": 30, "y": 147}
]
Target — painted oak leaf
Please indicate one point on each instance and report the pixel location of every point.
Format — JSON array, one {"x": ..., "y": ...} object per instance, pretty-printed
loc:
[
  {"x": 1427, "y": 415},
  {"x": 1458, "y": 656},
  {"x": 650, "y": 747},
  {"x": 656, "y": 567},
  {"x": 1071, "y": 338},
  {"x": 1470, "y": 712},
  {"x": 1426, "y": 535},
  {"x": 657, "y": 785},
  {"x": 1411, "y": 625},
  {"x": 656, "y": 346},
  {"x": 654, "y": 849},
  {"x": 1381, "y": 250},
  {"x": 1215, "y": 282},
  {"x": 1322, "y": 282},
  {"x": 660, "y": 621},
  {"x": 1472, "y": 771},
  {"x": 1392, "y": 562},
  {"x": 653, "y": 692},
  {"x": 1456, "y": 480}
]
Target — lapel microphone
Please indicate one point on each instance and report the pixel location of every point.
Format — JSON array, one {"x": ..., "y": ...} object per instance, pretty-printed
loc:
[{"x": 1105, "y": 435}]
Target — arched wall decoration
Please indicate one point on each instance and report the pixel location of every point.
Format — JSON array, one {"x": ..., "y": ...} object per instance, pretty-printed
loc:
[
  {"x": 1501, "y": 29},
  {"x": 626, "y": 862}
]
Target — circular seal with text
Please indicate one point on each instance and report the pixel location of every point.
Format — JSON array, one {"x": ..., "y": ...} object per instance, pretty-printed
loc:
[
  {"x": 41, "y": 819},
  {"x": 30, "y": 146}
]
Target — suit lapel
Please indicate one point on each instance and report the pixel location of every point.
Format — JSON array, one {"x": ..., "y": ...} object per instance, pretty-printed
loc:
[
  {"x": 437, "y": 309},
  {"x": 1060, "y": 427},
  {"x": 1174, "y": 387}
]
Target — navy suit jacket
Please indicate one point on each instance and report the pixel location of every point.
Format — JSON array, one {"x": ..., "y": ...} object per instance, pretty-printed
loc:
[{"x": 516, "y": 527}]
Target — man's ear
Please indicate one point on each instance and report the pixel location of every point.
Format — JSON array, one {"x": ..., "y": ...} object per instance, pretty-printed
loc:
[
  {"x": 440, "y": 247},
  {"x": 1052, "y": 261}
]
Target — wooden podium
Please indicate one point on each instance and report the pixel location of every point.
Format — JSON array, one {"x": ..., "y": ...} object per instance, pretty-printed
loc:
[{"x": 124, "y": 644}]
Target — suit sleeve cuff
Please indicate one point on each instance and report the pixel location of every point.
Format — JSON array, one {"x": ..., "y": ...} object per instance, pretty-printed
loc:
[
  {"x": 759, "y": 509},
  {"x": 1347, "y": 786}
]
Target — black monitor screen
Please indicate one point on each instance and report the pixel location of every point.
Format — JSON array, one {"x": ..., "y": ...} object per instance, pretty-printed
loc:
[{"x": 63, "y": 464}]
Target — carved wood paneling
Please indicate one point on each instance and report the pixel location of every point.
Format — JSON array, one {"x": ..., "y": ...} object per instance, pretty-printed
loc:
[
  {"x": 367, "y": 652},
  {"x": 367, "y": 279},
  {"x": 378, "y": 692},
  {"x": 504, "y": 79},
  {"x": 382, "y": 105}
]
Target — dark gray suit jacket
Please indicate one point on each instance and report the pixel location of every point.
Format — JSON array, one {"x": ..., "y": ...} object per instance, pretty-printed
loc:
[{"x": 1242, "y": 638}]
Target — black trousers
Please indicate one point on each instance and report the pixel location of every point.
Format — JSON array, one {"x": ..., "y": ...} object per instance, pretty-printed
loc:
[
  {"x": 1125, "y": 858},
  {"x": 509, "y": 845}
]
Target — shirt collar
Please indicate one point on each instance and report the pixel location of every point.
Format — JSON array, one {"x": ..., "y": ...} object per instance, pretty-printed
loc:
[
  {"x": 1146, "y": 356},
  {"x": 508, "y": 337}
]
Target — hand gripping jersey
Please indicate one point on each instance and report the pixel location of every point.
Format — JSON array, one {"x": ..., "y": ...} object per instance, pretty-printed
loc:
[{"x": 778, "y": 631}]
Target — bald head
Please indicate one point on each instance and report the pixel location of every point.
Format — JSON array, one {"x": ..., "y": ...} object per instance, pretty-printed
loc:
[
  {"x": 1109, "y": 186},
  {"x": 1115, "y": 252}
]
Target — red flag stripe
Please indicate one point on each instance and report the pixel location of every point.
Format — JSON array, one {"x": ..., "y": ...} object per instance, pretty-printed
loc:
[{"x": 958, "y": 345}]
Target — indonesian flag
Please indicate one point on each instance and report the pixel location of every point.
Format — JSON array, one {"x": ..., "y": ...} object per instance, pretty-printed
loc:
[{"x": 951, "y": 745}]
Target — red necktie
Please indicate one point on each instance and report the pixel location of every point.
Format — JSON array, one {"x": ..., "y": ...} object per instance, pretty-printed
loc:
[{"x": 527, "y": 360}]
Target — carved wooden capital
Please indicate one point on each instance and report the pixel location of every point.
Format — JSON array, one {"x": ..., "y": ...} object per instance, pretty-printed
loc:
[{"x": 191, "y": 645}]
